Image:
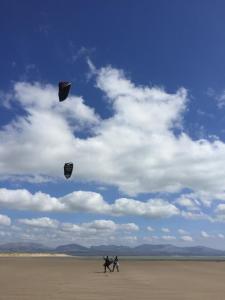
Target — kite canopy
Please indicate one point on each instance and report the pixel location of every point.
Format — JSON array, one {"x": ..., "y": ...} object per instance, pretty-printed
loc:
[
  {"x": 68, "y": 169},
  {"x": 64, "y": 88}
]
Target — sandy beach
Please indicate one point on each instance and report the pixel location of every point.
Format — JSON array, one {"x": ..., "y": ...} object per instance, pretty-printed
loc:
[{"x": 64, "y": 278}]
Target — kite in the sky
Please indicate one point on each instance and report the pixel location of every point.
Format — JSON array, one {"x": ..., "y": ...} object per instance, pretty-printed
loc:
[
  {"x": 68, "y": 169},
  {"x": 64, "y": 88}
]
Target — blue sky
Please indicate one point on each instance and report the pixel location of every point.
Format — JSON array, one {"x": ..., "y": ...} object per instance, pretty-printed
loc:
[{"x": 144, "y": 123}]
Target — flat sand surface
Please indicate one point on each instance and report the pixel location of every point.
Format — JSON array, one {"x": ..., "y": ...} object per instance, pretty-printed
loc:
[{"x": 36, "y": 278}]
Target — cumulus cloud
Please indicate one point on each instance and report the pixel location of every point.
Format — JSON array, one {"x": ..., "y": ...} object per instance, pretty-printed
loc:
[
  {"x": 149, "y": 157},
  {"x": 204, "y": 234},
  {"x": 220, "y": 235},
  {"x": 5, "y": 220},
  {"x": 188, "y": 201},
  {"x": 149, "y": 228},
  {"x": 186, "y": 238},
  {"x": 41, "y": 152},
  {"x": 21, "y": 199},
  {"x": 129, "y": 227},
  {"x": 37, "y": 98},
  {"x": 183, "y": 232},
  {"x": 193, "y": 201},
  {"x": 155, "y": 208},
  {"x": 40, "y": 222},
  {"x": 53, "y": 231},
  {"x": 168, "y": 238},
  {"x": 100, "y": 225},
  {"x": 84, "y": 201},
  {"x": 196, "y": 216},
  {"x": 220, "y": 213},
  {"x": 220, "y": 209},
  {"x": 166, "y": 230},
  {"x": 97, "y": 225}
]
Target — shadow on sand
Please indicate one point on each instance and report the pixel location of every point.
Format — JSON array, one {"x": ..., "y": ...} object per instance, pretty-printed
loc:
[{"x": 100, "y": 272}]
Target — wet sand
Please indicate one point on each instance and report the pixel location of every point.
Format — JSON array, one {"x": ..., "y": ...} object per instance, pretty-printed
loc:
[{"x": 68, "y": 278}]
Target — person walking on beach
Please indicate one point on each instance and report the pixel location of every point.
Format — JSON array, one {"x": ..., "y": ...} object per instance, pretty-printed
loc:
[
  {"x": 116, "y": 264},
  {"x": 106, "y": 264}
]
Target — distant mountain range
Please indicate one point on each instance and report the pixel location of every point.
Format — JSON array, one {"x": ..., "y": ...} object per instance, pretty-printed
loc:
[
  {"x": 24, "y": 247},
  {"x": 141, "y": 250}
]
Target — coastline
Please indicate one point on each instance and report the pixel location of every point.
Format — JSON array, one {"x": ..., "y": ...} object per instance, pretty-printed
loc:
[
  {"x": 122, "y": 258},
  {"x": 27, "y": 254}
]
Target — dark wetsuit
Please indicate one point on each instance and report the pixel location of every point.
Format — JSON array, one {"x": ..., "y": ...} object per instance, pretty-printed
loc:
[{"x": 107, "y": 263}]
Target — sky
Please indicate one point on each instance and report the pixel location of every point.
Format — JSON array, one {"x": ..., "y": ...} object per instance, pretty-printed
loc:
[{"x": 143, "y": 124}]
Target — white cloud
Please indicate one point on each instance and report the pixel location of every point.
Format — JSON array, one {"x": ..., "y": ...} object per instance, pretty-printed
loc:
[
  {"x": 220, "y": 235},
  {"x": 21, "y": 199},
  {"x": 196, "y": 216},
  {"x": 5, "y": 235},
  {"x": 41, "y": 99},
  {"x": 186, "y": 238},
  {"x": 149, "y": 228},
  {"x": 193, "y": 201},
  {"x": 168, "y": 238},
  {"x": 108, "y": 225},
  {"x": 149, "y": 156},
  {"x": 220, "y": 209},
  {"x": 41, "y": 151},
  {"x": 204, "y": 234},
  {"x": 155, "y": 208},
  {"x": 220, "y": 98},
  {"x": 183, "y": 232},
  {"x": 94, "y": 226},
  {"x": 129, "y": 227},
  {"x": 101, "y": 225},
  {"x": 84, "y": 201},
  {"x": 51, "y": 231},
  {"x": 166, "y": 230},
  {"x": 81, "y": 52},
  {"x": 40, "y": 222},
  {"x": 93, "y": 71},
  {"x": 220, "y": 213},
  {"x": 188, "y": 202},
  {"x": 5, "y": 220}
]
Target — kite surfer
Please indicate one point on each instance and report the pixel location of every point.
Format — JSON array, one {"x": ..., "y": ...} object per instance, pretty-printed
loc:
[
  {"x": 107, "y": 263},
  {"x": 116, "y": 264}
]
